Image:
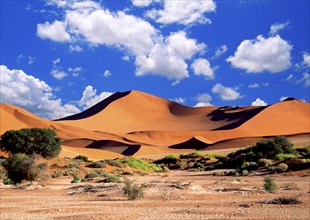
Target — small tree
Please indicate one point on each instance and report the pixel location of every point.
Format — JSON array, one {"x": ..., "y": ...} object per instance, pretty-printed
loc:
[
  {"x": 21, "y": 167},
  {"x": 31, "y": 141}
]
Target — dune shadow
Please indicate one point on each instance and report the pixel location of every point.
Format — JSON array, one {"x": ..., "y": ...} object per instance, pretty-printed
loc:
[
  {"x": 115, "y": 146},
  {"x": 192, "y": 143},
  {"x": 231, "y": 114},
  {"x": 96, "y": 108}
]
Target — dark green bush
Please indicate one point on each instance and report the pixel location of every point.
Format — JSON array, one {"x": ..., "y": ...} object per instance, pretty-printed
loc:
[
  {"x": 31, "y": 141},
  {"x": 97, "y": 164},
  {"x": 76, "y": 179},
  {"x": 21, "y": 167},
  {"x": 8, "y": 182},
  {"x": 82, "y": 158}
]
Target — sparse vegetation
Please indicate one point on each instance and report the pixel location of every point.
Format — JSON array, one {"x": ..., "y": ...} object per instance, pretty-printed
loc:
[
  {"x": 284, "y": 156},
  {"x": 82, "y": 158},
  {"x": 8, "y": 182},
  {"x": 269, "y": 185},
  {"x": 76, "y": 179},
  {"x": 31, "y": 141},
  {"x": 97, "y": 164},
  {"x": 133, "y": 191},
  {"x": 284, "y": 201},
  {"x": 281, "y": 167},
  {"x": 91, "y": 175},
  {"x": 21, "y": 167},
  {"x": 140, "y": 164},
  {"x": 112, "y": 179}
]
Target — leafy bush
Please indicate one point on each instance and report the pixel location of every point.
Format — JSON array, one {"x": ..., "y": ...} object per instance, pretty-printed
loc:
[
  {"x": 21, "y": 167},
  {"x": 264, "y": 162},
  {"x": 97, "y": 164},
  {"x": 269, "y": 185},
  {"x": 101, "y": 173},
  {"x": 140, "y": 164},
  {"x": 245, "y": 173},
  {"x": 31, "y": 141},
  {"x": 114, "y": 163},
  {"x": 172, "y": 158},
  {"x": 265, "y": 149},
  {"x": 82, "y": 158},
  {"x": 91, "y": 175},
  {"x": 284, "y": 156},
  {"x": 76, "y": 179},
  {"x": 195, "y": 154},
  {"x": 214, "y": 156},
  {"x": 8, "y": 182},
  {"x": 281, "y": 167},
  {"x": 112, "y": 179},
  {"x": 133, "y": 191}
]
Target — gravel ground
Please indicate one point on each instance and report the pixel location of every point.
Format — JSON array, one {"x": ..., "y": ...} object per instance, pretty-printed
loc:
[{"x": 175, "y": 195}]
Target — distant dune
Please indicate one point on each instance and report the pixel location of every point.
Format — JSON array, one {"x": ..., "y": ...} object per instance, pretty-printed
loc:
[{"x": 140, "y": 124}]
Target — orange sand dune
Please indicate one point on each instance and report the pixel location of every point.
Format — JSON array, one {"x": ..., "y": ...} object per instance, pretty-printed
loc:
[{"x": 136, "y": 123}]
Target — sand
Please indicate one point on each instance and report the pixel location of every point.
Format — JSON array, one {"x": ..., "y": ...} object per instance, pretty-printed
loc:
[
  {"x": 175, "y": 195},
  {"x": 140, "y": 124}
]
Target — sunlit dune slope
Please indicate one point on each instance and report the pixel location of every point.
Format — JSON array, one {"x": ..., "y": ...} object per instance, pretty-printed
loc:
[
  {"x": 137, "y": 111},
  {"x": 137, "y": 123}
]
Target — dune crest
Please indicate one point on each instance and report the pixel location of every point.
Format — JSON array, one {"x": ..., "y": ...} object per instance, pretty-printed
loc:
[{"x": 137, "y": 123}]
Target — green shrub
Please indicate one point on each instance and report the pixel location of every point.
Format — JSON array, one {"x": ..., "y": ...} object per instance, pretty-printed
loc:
[
  {"x": 264, "y": 162},
  {"x": 133, "y": 191},
  {"x": 195, "y": 154},
  {"x": 8, "y": 182},
  {"x": 245, "y": 173},
  {"x": 101, "y": 173},
  {"x": 91, "y": 175},
  {"x": 269, "y": 185},
  {"x": 214, "y": 156},
  {"x": 97, "y": 164},
  {"x": 284, "y": 156},
  {"x": 31, "y": 141},
  {"x": 281, "y": 167},
  {"x": 112, "y": 179},
  {"x": 76, "y": 179},
  {"x": 82, "y": 158},
  {"x": 140, "y": 164},
  {"x": 114, "y": 163},
  {"x": 21, "y": 167}
]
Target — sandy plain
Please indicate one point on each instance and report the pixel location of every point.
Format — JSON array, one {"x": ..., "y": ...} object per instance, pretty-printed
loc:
[{"x": 172, "y": 195}]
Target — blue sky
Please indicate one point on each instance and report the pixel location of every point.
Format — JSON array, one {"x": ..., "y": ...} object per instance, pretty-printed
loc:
[{"x": 59, "y": 57}]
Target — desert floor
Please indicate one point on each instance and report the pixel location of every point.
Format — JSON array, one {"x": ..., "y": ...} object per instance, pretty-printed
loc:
[{"x": 172, "y": 195}]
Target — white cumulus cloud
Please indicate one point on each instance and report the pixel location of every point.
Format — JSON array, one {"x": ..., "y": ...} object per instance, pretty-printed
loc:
[
  {"x": 203, "y": 67},
  {"x": 23, "y": 90},
  {"x": 271, "y": 54},
  {"x": 259, "y": 102},
  {"x": 180, "y": 100},
  {"x": 226, "y": 93},
  {"x": 203, "y": 99},
  {"x": 55, "y": 31},
  {"x": 167, "y": 57},
  {"x": 90, "y": 97},
  {"x": 254, "y": 86},
  {"x": 306, "y": 59},
  {"x": 183, "y": 12},
  {"x": 107, "y": 73},
  {"x": 141, "y": 3},
  {"x": 220, "y": 51},
  {"x": 275, "y": 28}
]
